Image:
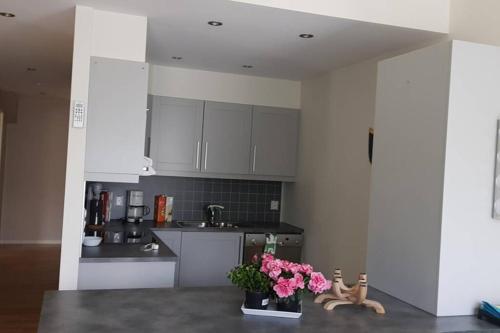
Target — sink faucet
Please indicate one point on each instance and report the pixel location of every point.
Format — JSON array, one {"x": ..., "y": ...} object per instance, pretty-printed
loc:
[{"x": 214, "y": 213}]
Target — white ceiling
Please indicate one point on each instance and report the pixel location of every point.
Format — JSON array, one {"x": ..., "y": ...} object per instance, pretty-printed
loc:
[{"x": 267, "y": 38}]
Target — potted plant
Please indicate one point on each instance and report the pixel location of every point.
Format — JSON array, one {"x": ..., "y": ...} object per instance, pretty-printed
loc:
[
  {"x": 255, "y": 283},
  {"x": 290, "y": 280}
]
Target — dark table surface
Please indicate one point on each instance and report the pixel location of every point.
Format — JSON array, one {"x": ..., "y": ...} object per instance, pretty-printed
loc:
[{"x": 197, "y": 310}]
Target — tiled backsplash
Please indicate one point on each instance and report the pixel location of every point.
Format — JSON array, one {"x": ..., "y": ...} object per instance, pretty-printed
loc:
[{"x": 244, "y": 200}]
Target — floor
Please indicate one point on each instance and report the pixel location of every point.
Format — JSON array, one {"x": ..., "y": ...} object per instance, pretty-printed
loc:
[{"x": 27, "y": 271}]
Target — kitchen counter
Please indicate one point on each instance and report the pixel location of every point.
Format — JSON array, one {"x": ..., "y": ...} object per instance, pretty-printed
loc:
[
  {"x": 133, "y": 253},
  {"x": 126, "y": 253},
  {"x": 204, "y": 310},
  {"x": 282, "y": 228}
]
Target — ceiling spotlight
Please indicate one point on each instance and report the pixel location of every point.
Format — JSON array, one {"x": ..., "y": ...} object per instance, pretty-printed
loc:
[
  {"x": 307, "y": 36},
  {"x": 215, "y": 23},
  {"x": 5, "y": 14},
  {"x": 31, "y": 69},
  {"x": 247, "y": 66},
  {"x": 177, "y": 58}
]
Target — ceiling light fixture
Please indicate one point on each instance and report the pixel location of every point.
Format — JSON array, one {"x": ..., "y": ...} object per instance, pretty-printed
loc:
[
  {"x": 177, "y": 58},
  {"x": 215, "y": 23},
  {"x": 247, "y": 66},
  {"x": 306, "y": 36},
  {"x": 6, "y": 14},
  {"x": 30, "y": 69}
]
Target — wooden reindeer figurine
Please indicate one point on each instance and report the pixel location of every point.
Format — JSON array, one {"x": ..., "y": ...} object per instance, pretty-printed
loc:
[
  {"x": 341, "y": 294},
  {"x": 338, "y": 288}
]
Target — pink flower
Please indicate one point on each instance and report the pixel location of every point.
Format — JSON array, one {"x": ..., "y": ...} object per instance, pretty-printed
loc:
[
  {"x": 297, "y": 282},
  {"x": 255, "y": 258},
  {"x": 267, "y": 257},
  {"x": 292, "y": 267},
  {"x": 306, "y": 269},
  {"x": 283, "y": 288},
  {"x": 318, "y": 283},
  {"x": 273, "y": 268}
]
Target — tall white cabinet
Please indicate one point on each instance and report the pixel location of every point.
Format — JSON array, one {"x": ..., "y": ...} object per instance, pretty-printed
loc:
[
  {"x": 116, "y": 120},
  {"x": 431, "y": 239}
]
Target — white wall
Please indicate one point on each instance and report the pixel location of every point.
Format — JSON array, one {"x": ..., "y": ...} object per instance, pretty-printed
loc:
[
  {"x": 119, "y": 36},
  {"x": 430, "y": 15},
  {"x": 407, "y": 175},
  {"x": 330, "y": 198},
  {"x": 469, "y": 250},
  {"x": 475, "y": 21},
  {"x": 223, "y": 87},
  {"x": 94, "y": 36},
  {"x": 34, "y": 172}
]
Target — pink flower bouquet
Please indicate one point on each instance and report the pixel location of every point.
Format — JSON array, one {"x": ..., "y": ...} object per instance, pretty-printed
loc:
[{"x": 289, "y": 280}]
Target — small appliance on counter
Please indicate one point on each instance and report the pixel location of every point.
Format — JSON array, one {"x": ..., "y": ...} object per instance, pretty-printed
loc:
[
  {"x": 113, "y": 236},
  {"x": 136, "y": 209},
  {"x": 134, "y": 234},
  {"x": 214, "y": 214}
]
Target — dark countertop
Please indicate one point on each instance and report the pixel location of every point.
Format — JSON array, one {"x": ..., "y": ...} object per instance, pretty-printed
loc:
[
  {"x": 208, "y": 310},
  {"x": 132, "y": 252},
  {"x": 126, "y": 253},
  {"x": 281, "y": 228}
]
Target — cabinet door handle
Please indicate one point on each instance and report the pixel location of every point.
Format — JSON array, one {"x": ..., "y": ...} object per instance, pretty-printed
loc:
[
  {"x": 254, "y": 157},
  {"x": 206, "y": 154},
  {"x": 198, "y": 155}
]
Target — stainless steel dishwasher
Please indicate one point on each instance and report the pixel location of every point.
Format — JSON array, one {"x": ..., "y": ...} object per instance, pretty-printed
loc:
[{"x": 288, "y": 246}]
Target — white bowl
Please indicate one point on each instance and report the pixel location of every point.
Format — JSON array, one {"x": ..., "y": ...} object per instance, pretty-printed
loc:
[{"x": 92, "y": 240}]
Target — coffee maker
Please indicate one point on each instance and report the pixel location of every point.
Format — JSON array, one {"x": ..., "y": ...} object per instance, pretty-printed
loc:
[{"x": 135, "y": 206}]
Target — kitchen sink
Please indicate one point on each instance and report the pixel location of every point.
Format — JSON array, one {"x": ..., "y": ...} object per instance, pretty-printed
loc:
[{"x": 206, "y": 225}]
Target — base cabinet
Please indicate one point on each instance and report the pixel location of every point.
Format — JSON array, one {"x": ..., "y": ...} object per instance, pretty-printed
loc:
[
  {"x": 207, "y": 257},
  {"x": 172, "y": 239},
  {"x": 126, "y": 275}
]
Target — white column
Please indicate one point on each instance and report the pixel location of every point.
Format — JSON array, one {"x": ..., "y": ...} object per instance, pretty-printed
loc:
[{"x": 104, "y": 34}]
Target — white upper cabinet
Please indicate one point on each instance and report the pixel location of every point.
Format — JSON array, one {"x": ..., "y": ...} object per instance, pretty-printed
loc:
[{"x": 116, "y": 120}]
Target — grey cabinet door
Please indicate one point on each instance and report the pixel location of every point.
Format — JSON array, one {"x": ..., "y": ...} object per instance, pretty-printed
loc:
[
  {"x": 173, "y": 240},
  {"x": 176, "y": 134},
  {"x": 274, "y": 141},
  {"x": 207, "y": 257},
  {"x": 116, "y": 117},
  {"x": 226, "y": 138}
]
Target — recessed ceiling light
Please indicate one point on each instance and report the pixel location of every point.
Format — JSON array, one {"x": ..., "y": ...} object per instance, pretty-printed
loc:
[
  {"x": 177, "y": 58},
  {"x": 247, "y": 66},
  {"x": 5, "y": 14},
  {"x": 215, "y": 23},
  {"x": 31, "y": 69},
  {"x": 307, "y": 36}
]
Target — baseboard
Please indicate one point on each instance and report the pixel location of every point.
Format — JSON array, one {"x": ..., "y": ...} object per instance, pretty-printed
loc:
[{"x": 35, "y": 242}]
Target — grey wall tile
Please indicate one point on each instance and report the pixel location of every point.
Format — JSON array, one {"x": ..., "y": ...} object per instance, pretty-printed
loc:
[{"x": 244, "y": 200}]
